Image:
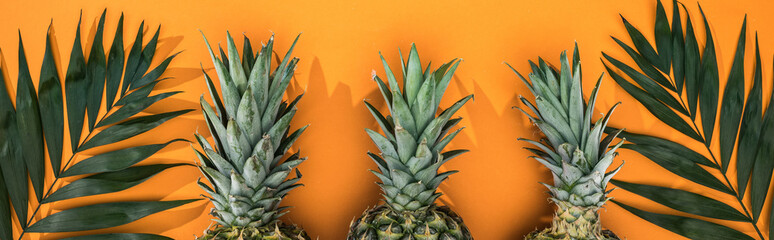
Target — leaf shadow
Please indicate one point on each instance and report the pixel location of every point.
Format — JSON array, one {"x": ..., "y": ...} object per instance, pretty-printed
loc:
[
  {"x": 316, "y": 108},
  {"x": 492, "y": 131},
  {"x": 178, "y": 76}
]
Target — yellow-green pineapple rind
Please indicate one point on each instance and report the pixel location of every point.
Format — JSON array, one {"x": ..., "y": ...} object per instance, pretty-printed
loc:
[
  {"x": 277, "y": 232},
  {"x": 433, "y": 222},
  {"x": 573, "y": 223}
]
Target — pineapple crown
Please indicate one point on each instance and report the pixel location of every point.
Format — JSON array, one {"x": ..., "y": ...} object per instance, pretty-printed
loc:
[
  {"x": 250, "y": 129},
  {"x": 414, "y": 136},
  {"x": 575, "y": 152}
]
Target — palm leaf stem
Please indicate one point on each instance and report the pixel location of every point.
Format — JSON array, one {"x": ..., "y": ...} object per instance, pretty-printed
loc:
[
  {"x": 682, "y": 102},
  {"x": 736, "y": 193},
  {"x": 672, "y": 82},
  {"x": 34, "y": 213},
  {"x": 56, "y": 179},
  {"x": 67, "y": 164},
  {"x": 739, "y": 198},
  {"x": 51, "y": 187}
]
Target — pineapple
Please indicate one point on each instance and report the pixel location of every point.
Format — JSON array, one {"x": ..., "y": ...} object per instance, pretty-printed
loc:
[
  {"x": 574, "y": 151},
  {"x": 250, "y": 129},
  {"x": 411, "y": 154}
]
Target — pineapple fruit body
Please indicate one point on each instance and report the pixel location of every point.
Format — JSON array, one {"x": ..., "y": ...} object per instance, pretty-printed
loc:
[
  {"x": 278, "y": 231},
  {"x": 382, "y": 222},
  {"x": 573, "y": 222},
  {"x": 573, "y": 149},
  {"x": 411, "y": 155},
  {"x": 250, "y": 127}
]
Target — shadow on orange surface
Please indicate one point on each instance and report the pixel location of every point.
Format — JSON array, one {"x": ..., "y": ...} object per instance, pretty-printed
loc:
[{"x": 330, "y": 182}]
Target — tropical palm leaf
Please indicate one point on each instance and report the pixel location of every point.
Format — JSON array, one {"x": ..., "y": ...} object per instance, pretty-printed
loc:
[
  {"x": 38, "y": 121},
  {"x": 673, "y": 82}
]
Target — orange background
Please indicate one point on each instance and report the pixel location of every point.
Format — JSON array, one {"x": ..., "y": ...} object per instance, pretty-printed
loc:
[{"x": 496, "y": 191}]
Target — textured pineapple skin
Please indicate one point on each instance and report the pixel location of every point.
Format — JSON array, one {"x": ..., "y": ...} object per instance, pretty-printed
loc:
[
  {"x": 279, "y": 231},
  {"x": 431, "y": 223},
  {"x": 573, "y": 223}
]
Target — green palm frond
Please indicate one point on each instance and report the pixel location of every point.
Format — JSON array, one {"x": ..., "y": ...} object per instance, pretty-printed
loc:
[
  {"x": 37, "y": 120},
  {"x": 678, "y": 82}
]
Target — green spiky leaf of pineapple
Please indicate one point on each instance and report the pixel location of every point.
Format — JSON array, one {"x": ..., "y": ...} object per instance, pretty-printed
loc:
[
  {"x": 411, "y": 155},
  {"x": 250, "y": 127},
  {"x": 573, "y": 149}
]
